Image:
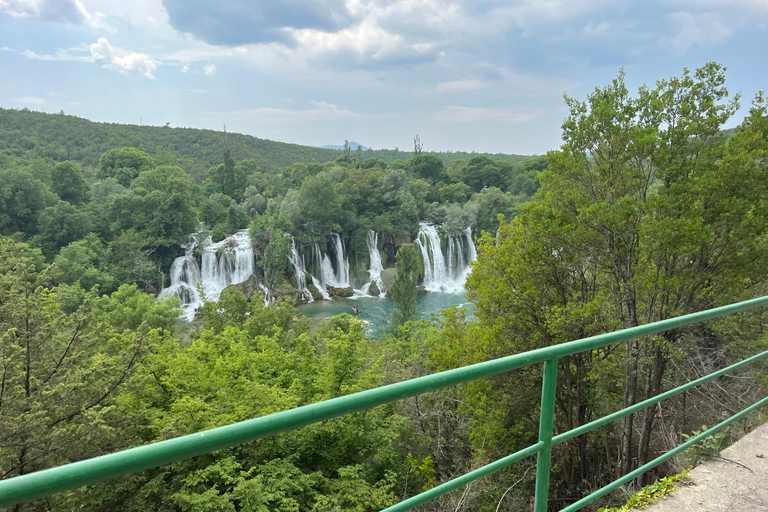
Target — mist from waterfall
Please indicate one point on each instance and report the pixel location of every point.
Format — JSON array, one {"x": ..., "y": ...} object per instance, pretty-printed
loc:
[{"x": 223, "y": 263}]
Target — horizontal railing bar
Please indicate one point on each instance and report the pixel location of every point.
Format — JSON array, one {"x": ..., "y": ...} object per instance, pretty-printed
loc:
[
  {"x": 565, "y": 436},
  {"x": 70, "y": 476},
  {"x": 465, "y": 479},
  {"x": 658, "y": 460}
]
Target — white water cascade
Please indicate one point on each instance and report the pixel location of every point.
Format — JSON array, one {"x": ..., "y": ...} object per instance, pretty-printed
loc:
[
  {"x": 338, "y": 278},
  {"x": 297, "y": 261},
  {"x": 376, "y": 267},
  {"x": 342, "y": 264},
  {"x": 445, "y": 272},
  {"x": 301, "y": 272},
  {"x": 224, "y": 263}
]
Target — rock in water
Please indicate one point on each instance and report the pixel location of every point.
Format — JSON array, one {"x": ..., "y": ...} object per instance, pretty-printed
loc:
[
  {"x": 249, "y": 287},
  {"x": 340, "y": 292}
]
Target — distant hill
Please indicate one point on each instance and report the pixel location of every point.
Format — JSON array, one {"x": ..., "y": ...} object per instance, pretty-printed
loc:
[
  {"x": 65, "y": 137},
  {"x": 352, "y": 145}
]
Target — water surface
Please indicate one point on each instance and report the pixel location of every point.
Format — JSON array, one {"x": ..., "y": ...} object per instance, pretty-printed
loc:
[{"x": 376, "y": 312}]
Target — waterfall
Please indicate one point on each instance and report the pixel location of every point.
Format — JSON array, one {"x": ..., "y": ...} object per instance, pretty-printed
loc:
[
  {"x": 435, "y": 276},
  {"x": 471, "y": 244},
  {"x": 448, "y": 271},
  {"x": 298, "y": 270},
  {"x": 266, "y": 293},
  {"x": 338, "y": 278},
  {"x": 374, "y": 271},
  {"x": 227, "y": 262},
  {"x": 342, "y": 264},
  {"x": 224, "y": 263},
  {"x": 327, "y": 275}
]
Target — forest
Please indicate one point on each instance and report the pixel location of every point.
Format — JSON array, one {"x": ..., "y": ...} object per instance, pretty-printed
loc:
[{"x": 649, "y": 209}]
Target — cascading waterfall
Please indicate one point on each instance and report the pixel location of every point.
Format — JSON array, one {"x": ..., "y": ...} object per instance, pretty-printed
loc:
[
  {"x": 266, "y": 293},
  {"x": 224, "y": 263},
  {"x": 327, "y": 275},
  {"x": 375, "y": 269},
  {"x": 301, "y": 272},
  {"x": 227, "y": 262},
  {"x": 445, "y": 272},
  {"x": 342, "y": 264},
  {"x": 338, "y": 278},
  {"x": 435, "y": 275},
  {"x": 298, "y": 271}
]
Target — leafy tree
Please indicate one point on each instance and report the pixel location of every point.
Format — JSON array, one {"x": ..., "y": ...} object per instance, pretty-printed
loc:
[
  {"x": 158, "y": 206},
  {"x": 234, "y": 371},
  {"x": 601, "y": 249},
  {"x": 83, "y": 262},
  {"x": 320, "y": 206},
  {"x": 404, "y": 289},
  {"x": 227, "y": 180},
  {"x": 487, "y": 205},
  {"x": 60, "y": 225},
  {"x": 213, "y": 211},
  {"x": 481, "y": 172},
  {"x": 124, "y": 164},
  {"x": 271, "y": 246},
  {"x": 130, "y": 261},
  {"x": 68, "y": 183},
  {"x": 61, "y": 372},
  {"x": 428, "y": 167},
  {"x": 22, "y": 198},
  {"x": 455, "y": 193},
  {"x": 253, "y": 202},
  {"x": 237, "y": 218}
]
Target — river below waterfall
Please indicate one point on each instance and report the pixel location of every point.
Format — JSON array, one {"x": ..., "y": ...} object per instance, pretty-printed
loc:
[{"x": 376, "y": 312}]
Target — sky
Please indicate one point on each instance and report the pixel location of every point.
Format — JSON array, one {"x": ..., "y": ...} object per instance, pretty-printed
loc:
[{"x": 465, "y": 75}]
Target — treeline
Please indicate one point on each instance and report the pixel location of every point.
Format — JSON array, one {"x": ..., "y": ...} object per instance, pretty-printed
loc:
[
  {"x": 61, "y": 137},
  {"x": 643, "y": 214}
]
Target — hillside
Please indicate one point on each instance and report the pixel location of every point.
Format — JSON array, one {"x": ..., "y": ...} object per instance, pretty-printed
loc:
[{"x": 65, "y": 137}]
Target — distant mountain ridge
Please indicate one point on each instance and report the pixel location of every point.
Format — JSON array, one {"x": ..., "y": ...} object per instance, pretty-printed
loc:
[
  {"x": 65, "y": 137},
  {"x": 352, "y": 145}
]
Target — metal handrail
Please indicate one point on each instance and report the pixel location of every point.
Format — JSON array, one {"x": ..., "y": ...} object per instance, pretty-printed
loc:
[{"x": 29, "y": 487}]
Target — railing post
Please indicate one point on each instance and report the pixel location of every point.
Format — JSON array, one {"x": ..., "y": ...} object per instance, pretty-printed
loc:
[{"x": 546, "y": 420}]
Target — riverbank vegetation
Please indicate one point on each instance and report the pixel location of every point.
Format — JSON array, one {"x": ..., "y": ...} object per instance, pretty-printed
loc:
[{"x": 647, "y": 211}]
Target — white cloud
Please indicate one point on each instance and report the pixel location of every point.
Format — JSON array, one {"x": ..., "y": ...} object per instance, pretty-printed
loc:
[
  {"x": 185, "y": 68},
  {"x": 31, "y": 100},
  {"x": 323, "y": 111},
  {"x": 699, "y": 29},
  {"x": 465, "y": 84},
  {"x": 456, "y": 114},
  {"x": 147, "y": 13},
  {"x": 361, "y": 44},
  {"x": 59, "y": 11},
  {"x": 121, "y": 60},
  {"x": 61, "y": 54},
  {"x": 209, "y": 69}
]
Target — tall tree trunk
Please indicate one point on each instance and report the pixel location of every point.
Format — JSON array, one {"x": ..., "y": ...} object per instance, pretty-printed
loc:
[
  {"x": 644, "y": 455},
  {"x": 630, "y": 384}
]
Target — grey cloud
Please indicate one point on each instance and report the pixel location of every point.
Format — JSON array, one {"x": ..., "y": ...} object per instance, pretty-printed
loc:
[{"x": 239, "y": 22}]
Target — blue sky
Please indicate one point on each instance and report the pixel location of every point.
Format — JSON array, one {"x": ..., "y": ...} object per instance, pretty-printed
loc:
[{"x": 471, "y": 75}]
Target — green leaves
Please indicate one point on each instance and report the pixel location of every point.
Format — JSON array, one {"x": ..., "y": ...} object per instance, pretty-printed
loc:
[{"x": 403, "y": 288}]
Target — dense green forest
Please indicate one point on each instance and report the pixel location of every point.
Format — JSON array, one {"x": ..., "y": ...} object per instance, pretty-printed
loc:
[
  {"x": 60, "y": 137},
  {"x": 647, "y": 211}
]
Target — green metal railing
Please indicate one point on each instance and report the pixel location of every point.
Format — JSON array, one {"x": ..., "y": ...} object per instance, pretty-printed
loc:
[{"x": 44, "y": 483}]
